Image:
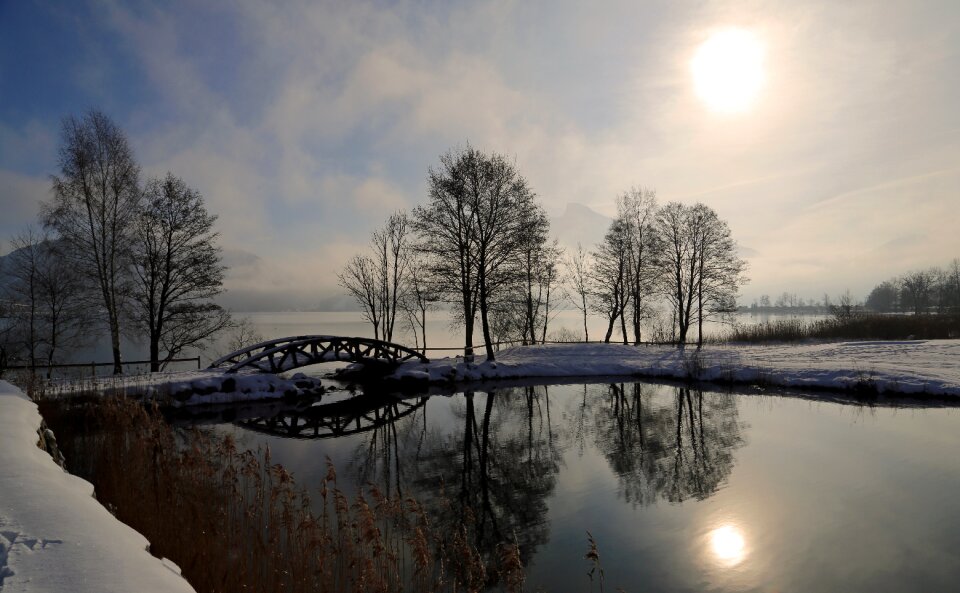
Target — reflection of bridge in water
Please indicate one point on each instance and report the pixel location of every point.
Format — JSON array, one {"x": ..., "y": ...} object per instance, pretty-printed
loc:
[
  {"x": 285, "y": 354},
  {"x": 352, "y": 416}
]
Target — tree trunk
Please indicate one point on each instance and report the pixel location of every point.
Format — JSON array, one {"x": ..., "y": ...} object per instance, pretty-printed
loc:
[
  {"x": 483, "y": 320},
  {"x": 115, "y": 340},
  {"x": 606, "y": 338},
  {"x": 700, "y": 318},
  {"x": 468, "y": 319},
  {"x": 623, "y": 326}
]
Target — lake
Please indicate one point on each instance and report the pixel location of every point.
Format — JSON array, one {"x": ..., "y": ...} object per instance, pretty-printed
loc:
[
  {"x": 440, "y": 333},
  {"x": 683, "y": 489}
]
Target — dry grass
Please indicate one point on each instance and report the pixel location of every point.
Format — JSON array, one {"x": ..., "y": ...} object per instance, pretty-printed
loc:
[
  {"x": 235, "y": 521},
  {"x": 857, "y": 327}
]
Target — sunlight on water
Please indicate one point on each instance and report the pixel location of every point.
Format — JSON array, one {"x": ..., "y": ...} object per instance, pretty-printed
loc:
[{"x": 728, "y": 545}]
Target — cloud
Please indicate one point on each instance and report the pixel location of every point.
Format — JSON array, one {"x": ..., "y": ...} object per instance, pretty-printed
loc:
[
  {"x": 305, "y": 123},
  {"x": 20, "y": 197}
]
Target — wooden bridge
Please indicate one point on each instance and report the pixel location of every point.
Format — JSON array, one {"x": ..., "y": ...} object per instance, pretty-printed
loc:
[{"x": 284, "y": 354}]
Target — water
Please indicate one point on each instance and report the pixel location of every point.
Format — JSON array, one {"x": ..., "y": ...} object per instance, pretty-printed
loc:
[
  {"x": 684, "y": 490},
  {"x": 440, "y": 333}
]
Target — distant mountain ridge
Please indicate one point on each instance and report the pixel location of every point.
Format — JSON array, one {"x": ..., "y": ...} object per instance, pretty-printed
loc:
[{"x": 579, "y": 224}]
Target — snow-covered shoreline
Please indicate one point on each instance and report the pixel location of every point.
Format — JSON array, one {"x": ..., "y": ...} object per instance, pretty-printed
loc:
[
  {"x": 54, "y": 535},
  {"x": 930, "y": 367},
  {"x": 915, "y": 368}
]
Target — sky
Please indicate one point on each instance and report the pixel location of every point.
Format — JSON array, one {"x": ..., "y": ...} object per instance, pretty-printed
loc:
[{"x": 304, "y": 124}]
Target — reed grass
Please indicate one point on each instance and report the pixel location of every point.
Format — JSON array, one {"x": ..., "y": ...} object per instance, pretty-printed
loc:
[
  {"x": 236, "y": 521},
  {"x": 856, "y": 327}
]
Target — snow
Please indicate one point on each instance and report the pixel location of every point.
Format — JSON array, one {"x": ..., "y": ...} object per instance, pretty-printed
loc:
[
  {"x": 54, "y": 535},
  {"x": 929, "y": 367},
  {"x": 190, "y": 388}
]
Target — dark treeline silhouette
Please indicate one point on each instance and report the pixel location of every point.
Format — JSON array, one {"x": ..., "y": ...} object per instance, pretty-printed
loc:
[
  {"x": 934, "y": 290},
  {"x": 115, "y": 254}
]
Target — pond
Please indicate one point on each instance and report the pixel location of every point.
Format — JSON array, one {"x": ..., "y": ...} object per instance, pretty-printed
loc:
[{"x": 682, "y": 489}]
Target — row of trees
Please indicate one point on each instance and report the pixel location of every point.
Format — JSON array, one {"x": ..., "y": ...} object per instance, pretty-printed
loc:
[
  {"x": 130, "y": 257},
  {"x": 481, "y": 244},
  {"x": 935, "y": 290},
  {"x": 682, "y": 255}
]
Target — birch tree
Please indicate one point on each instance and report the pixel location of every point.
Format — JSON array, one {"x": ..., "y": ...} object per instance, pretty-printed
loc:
[{"x": 94, "y": 209}]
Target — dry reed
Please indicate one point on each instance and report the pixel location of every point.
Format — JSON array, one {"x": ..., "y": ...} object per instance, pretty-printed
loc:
[{"x": 235, "y": 521}]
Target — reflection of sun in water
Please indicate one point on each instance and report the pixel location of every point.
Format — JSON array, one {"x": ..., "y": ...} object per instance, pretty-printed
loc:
[
  {"x": 727, "y": 545},
  {"x": 728, "y": 70}
]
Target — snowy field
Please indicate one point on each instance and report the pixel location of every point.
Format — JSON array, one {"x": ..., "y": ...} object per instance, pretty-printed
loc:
[{"x": 54, "y": 535}]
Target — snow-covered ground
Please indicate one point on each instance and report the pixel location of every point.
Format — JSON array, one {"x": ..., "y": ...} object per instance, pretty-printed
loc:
[
  {"x": 929, "y": 367},
  {"x": 54, "y": 535},
  {"x": 914, "y": 367}
]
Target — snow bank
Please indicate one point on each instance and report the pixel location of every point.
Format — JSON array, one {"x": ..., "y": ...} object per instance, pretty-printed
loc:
[
  {"x": 190, "y": 388},
  {"x": 915, "y": 367},
  {"x": 54, "y": 535}
]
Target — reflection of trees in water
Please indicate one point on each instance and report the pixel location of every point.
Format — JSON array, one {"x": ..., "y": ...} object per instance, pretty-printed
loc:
[
  {"x": 505, "y": 463},
  {"x": 390, "y": 453},
  {"x": 661, "y": 447},
  {"x": 498, "y": 458},
  {"x": 497, "y": 464}
]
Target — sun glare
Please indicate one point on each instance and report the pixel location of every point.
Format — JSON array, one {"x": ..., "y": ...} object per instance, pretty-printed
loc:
[
  {"x": 728, "y": 70},
  {"x": 727, "y": 545}
]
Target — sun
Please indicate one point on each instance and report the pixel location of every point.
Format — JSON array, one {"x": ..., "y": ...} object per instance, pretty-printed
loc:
[
  {"x": 727, "y": 545},
  {"x": 728, "y": 70}
]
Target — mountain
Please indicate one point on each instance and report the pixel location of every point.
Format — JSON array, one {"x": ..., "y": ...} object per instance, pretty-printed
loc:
[{"x": 579, "y": 224}]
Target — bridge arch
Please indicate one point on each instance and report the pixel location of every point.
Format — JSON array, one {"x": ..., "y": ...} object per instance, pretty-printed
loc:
[
  {"x": 285, "y": 354},
  {"x": 357, "y": 415}
]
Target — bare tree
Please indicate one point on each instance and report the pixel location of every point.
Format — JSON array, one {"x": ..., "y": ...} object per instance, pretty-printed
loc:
[
  {"x": 419, "y": 298},
  {"x": 883, "y": 298},
  {"x": 378, "y": 282},
  {"x": 177, "y": 271},
  {"x": 391, "y": 246},
  {"x": 578, "y": 266},
  {"x": 953, "y": 278},
  {"x": 609, "y": 277},
  {"x": 359, "y": 278},
  {"x": 23, "y": 291},
  {"x": 446, "y": 230},
  {"x": 243, "y": 333},
  {"x": 844, "y": 306},
  {"x": 917, "y": 289},
  {"x": 96, "y": 203},
  {"x": 509, "y": 223},
  {"x": 48, "y": 312},
  {"x": 719, "y": 271},
  {"x": 538, "y": 266},
  {"x": 678, "y": 260},
  {"x": 637, "y": 209},
  {"x": 548, "y": 280},
  {"x": 480, "y": 216}
]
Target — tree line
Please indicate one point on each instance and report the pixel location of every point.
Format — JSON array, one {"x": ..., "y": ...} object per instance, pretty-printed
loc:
[
  {"x": 481, "y": 246},
  {"x": 111, "y": 253},
  {"x": 934, "y": 290}
]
